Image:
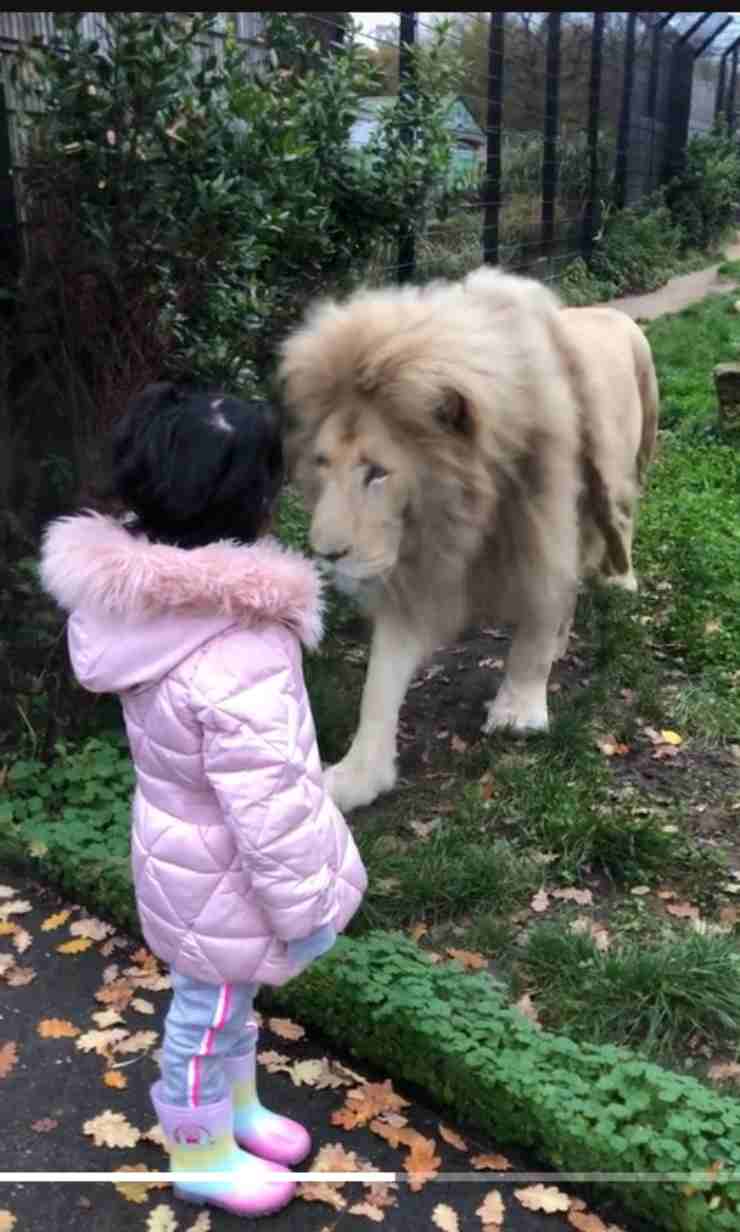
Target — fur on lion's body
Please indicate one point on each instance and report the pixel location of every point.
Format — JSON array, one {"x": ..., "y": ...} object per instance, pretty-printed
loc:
[{"x": 517, "y": 434}]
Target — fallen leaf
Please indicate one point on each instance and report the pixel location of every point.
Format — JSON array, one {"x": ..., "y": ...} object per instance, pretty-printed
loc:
[
  {"x": 155, "y": 1135},
  {"x": 452, "y": 1139},
  {"x": 527, "y": 1007},
  {"x": 117, "y": 994},
  {"x": 274, "y": 1062},
  {"x": 582, "y": 1221},
  {"x": 153, "y": 982},
  {"x": 381, "y": 1196},
  {"x": 18, "y": 977},
  {"x": 142, "y": 1041},
  {"x": 540, "y": 902},
  {"x": 612, "y": 748},
  {"x": 730, "y": 915},
  {"x": 598, "y": 934},
  {"x": 584, "y": 898},
  {"x": 106, "y": 1018},
  {"x": 162, "y": 1219},
  {"x": 75, "y": 947},
  {"x": 202, "y": 1223},
  {"x": 57, "y": 1028},
  {"x": 723, "y": 1073},
  {"x": 111, "y": 973},
  {"x": 543, "y": 1198},
  {"x": 8, "y": 1058},
  {"x": 394, "y": 1135},
  {"x": 640, "y": 891},
  {"x": 7, "y": 929},
  {"x": 490, "y": 1163},
  {"x": 55, "y": 921},
  {"x": 445, "y": 1218},
  {"x": 285, "y": 1029},
  {"x": 45, "y": 1126},
  {"x": 22, "y": 940},
  {"x": 143, "y": 1007},
  {"x": 422, "y": 1163},
  {"x": 306, "y": 1073},
  {"x": 367, "y": 1102},
  {"x": 17, "y": 907},
  {"x": 7, "y": 1221},
  {"x": 418, "y": 931},
  {"x": 492, "y": 1211},
  {"x": 7, "y": 891},
  {"x": 333, "y": 1157},
  {"x": 683, "y": 911},
  {"x": 113, "y": 1078},
  {"x": 423, "y": 829},
  {"x": 458, "y": 745},
  {"x": 366, "y": 1211},
  {"x": 471, "y": 962},
  {"x": 101, "y": 1042},
  {"x": 111, "y": 1129},
  {"x": 145, "y": 958},
  {"x": 671, "y": 737},
  {"x": 319, "y": 1191}
]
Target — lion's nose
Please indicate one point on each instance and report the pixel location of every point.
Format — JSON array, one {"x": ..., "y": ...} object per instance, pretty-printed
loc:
[{"x": 334, "y": 556}]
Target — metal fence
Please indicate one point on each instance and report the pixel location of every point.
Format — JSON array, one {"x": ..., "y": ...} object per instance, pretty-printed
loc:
[{"x": 562, "y": 114}]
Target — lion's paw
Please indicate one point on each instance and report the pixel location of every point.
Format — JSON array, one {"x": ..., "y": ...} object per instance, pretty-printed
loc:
[
  {"x": 504, "y": 714},
  {"x": 623, "y": 581},
  {"x": 352, "y": 785}
]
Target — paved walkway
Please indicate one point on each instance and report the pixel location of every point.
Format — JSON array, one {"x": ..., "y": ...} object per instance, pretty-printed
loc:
[
  {"x": 53, "y": 1088},
  {"x": 679, "y": 292}
]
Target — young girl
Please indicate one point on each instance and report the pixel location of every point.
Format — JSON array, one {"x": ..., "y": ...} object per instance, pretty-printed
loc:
[{"x": 244, "y": 869}]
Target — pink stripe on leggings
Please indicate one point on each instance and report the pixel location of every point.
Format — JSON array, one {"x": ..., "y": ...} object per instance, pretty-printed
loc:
[{"x": 220, "y": 1018}]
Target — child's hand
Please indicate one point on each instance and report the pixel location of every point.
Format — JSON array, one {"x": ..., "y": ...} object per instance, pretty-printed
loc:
[{"x": 306, "y": 949}]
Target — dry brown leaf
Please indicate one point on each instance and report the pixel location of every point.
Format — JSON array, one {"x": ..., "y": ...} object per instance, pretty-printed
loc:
[
  {"x": 458, "y": 745},
  {"x": 471, "y": 961},
  {"x": 142, "y": 1041},
  {"x": 334, "y": 1158},
  {"x": 527, "y": 1007},
  {"x": 7, "y": 891},
  {"x": 7, "y": 1221},
  {"x": 584, "y": 898},
  {"x": 381, "y": 1196},
  {"x": 55, "y": 921},
  {"x": 92, "y": 929},
  {"x": 117, "y": 994},
  {"x": 612, "y": 748},
  {"x": 156, "y": 1136},
  {"x": 319, "y": 1191},
  {"x": 445, "y": 1218},
  {"x": 333, "y": 1075},
  {"x": 422, "y": 1163},
  {"x": 143, "y": 1007},
  {"x": 106, "y": 1018},
  {"x": 137, "y": 1191},
  {"x": 723, "y": 1073},
  {"x": 7, "y": 929},
  {"x": 395, "y": 1135},
  {"x": 78, "y": 946},
  {"x": 111, "y": 1129},
  {"x": 452, "y": 1139},
  {"x": 306, "y": 1073},
  {"x": 16, "y": 907},
  {"x": 22, "y": 940},
  {"x": 101, "y": 1042},
  {"x": 115, "y": 1079},
  {"x": 45, "y": 1126},
  {"x": 154, "y": 982},
  {"x": 729, "y": 916},
  {"x": 202, "y": 1223},
  {"x": 144, "y": 958},
  {"x": 490, "y": 1163},
  {"x": 683, "y": 911},
  {"x": 111, "y": 973},
  {"x": 18, "y": 977},
  {"x": 492, "y": 1211},
  {"x": 8, "y": 1058},
  {"x": 162, "y": 1219},
  {"x": 286, "y": 1029},
  {"x": 274, "y": 1062},
  {"x": 540, "y": 902},
  {"x": 367, "y": 1211},
  {"x": 366, "y": 1102},
  {"x": 543, "y": 1198},
  {"x": 57, "y": 1028}
]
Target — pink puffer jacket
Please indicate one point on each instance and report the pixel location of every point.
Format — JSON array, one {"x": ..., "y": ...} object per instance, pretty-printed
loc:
[{"x": 237, "y": 848}]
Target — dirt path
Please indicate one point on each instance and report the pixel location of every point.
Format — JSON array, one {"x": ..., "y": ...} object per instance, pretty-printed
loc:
[{"x": 678, "y": 293}]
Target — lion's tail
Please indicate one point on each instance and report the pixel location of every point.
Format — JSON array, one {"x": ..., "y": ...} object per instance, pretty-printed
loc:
[{"x": 650, "y": 397}]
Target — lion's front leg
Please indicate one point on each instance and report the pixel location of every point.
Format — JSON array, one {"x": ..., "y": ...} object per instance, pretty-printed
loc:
[
  {"x": 369, "y": 767},
  {"x": 521, "y": 702}
]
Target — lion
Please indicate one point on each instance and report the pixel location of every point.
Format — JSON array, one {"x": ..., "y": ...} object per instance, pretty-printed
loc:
[{"x": 469, "y": 452}]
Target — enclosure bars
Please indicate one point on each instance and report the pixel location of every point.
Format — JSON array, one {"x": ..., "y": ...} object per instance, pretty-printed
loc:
[
  {"x": 551, "y": 129},
  {"x": 681, "y": 78},
  {"x": 623, "y": 135},
  {"x": 590, "y": 217},
  {"x": 407, "y": 90},
  {"x": 493, "y": 134},
  {"x": 652, "y": 93},
  {"x": 733, "y": 86}
]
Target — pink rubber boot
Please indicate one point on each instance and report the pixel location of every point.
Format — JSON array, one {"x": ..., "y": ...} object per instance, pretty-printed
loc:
[
  {"x": 202, "y": 1140},
  {"x": 264, "y": 1133}
]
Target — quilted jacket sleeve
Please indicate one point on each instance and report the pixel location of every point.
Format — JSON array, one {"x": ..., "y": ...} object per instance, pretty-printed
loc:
[{"x": 261, "y": 759}]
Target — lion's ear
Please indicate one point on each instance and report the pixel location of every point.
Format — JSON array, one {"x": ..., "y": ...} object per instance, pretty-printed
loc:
[{"x": 454, "y": 414}]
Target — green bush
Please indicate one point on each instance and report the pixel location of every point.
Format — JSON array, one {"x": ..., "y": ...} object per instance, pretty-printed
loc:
[
  {"x": 639, "y": 249},
  {"x": 582, "y": 1107},
  {"x": 703, "y": 198}
]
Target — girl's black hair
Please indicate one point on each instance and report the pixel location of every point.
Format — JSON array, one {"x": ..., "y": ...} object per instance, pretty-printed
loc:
[{"x": 195, "y": 466}]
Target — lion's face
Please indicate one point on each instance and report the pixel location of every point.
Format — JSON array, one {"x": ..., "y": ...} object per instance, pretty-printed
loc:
[{"x": 359, "y": 487}]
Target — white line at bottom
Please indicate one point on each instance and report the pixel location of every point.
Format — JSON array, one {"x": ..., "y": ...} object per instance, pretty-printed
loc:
[{"x": 378, "y": 1178}]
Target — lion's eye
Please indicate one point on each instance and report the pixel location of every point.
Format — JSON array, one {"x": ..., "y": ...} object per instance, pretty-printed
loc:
[
  {"x": 321, "y": 459},
  {"x": 374, "y": 473}
]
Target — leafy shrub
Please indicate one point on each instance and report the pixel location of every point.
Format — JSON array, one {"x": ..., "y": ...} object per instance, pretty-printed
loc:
[
  {"x": 639, "y": 249},
  {"x": 703, "y": 198},
  {"x": 582, "y": 1107}
]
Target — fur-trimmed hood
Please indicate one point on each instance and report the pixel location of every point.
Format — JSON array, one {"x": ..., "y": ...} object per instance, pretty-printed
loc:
[{"x": 120, "y": 588}]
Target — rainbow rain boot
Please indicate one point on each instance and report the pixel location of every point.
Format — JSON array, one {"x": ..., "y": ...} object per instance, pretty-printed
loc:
[{"x": 264, "y": 1133}]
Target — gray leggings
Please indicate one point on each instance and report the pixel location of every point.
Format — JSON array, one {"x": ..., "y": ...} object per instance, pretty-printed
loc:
[{"x": 205, "y": 1024}]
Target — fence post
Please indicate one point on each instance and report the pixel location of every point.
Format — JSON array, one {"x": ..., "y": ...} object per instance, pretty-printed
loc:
[
  {"x": 652, "y": 92},
  {"x": 493, "y": 135},
  {"x": 407, "y": 91},
  {"x": 731, "y": 96},
  {"x": 720, "y": 97},
  {"x": 552, "y": 126},
  {"x": 623, "y": 137},
  {"x": 594, "y": 107}
]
